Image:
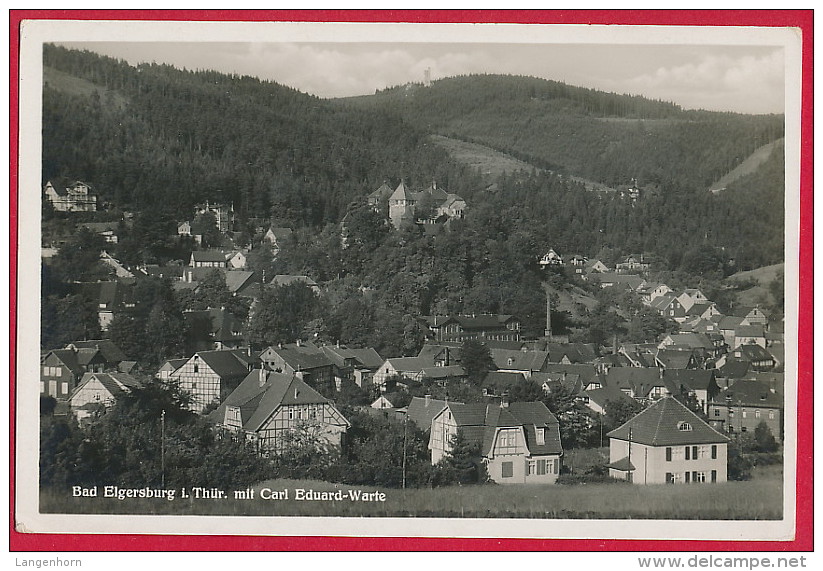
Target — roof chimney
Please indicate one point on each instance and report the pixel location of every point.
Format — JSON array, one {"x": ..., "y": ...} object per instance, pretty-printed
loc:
[
  {"x": 262, "y": 377},
  {"x": 297, "y": 342},
  {"x": 428, "y": 400}
]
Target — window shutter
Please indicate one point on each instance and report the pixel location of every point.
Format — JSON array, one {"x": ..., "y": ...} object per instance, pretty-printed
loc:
[
  {"x": 668, "y": 454},
  {"x": 688, "y": 451},
  {"x": 714, "y": 451}
]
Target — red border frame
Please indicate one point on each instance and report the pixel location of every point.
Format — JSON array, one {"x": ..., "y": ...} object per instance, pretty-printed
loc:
[{"x": 801, "y": 19}]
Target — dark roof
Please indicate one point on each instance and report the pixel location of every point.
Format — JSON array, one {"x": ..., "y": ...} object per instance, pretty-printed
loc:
[
  {"x": 111, "y": 352},
  {"x": 519, "y": 360},
  {"x": 639, "y": 380},
  {"x": 751, "y": 393},
  {"x": 221, "y": 324},
  {"x": 673, "y": 359},
  {"x": 502, "y": 380},
  {"x": 660, "y": 425},
  {"x": 586, "y": 372},
  {"x": 734, "y": 369},
  {"x": 751, "y": 352},
  {"x": 301, "y": 358},
  {"x": 622, "y": 465},
  {"x": 116, "y": 384},
  {"x": 421, "y": 411},
  {"x": 262, "y": 392},
  {"x": 226, "y": 363},
  {"x": 363, "y": 358},
  {"x": 208, "y": 256},
  {"x": 695, "y": 379},
  {"x": 607, "y": 394},
  {"x": 693, "y": 340},
  {"x": 575, "y": 352},
  {"x": 478, "y": 422},
  {"x": 68, "y": 357}
]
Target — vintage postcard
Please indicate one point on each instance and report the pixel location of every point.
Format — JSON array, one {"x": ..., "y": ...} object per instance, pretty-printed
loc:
[{"x": 436, "y": 280}]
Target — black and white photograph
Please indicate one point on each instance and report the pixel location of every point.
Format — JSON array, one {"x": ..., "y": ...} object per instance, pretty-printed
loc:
[{"x": 435, "y": 280}]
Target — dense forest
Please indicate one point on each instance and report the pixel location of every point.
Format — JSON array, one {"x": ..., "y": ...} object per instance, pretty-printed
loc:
[
  {"x": 601, "y": 136},
  {"x": 156, "y": 140},
  {"x": 154, "y": 137}
]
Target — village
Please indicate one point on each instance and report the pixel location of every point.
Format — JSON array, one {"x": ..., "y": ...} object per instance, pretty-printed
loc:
[{"x": 478, "y": 380}]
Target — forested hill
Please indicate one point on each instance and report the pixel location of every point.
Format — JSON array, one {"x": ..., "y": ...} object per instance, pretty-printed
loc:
[
  {"x": 600, "y": 136},
  {"x": 156, "y": 138}
]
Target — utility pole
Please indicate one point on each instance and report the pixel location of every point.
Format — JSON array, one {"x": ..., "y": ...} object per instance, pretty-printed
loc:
[
  {"x": 405, "y": 422},
  {"x": 629, "y": 468},
  {"x": 163, "y": 449}
]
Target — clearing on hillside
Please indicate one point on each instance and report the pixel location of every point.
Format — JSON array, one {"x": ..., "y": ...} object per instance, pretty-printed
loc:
[{"x": 748, "y": 166}]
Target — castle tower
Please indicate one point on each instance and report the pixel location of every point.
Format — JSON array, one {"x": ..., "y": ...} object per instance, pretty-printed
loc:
[{"x": 401, "y": 205}]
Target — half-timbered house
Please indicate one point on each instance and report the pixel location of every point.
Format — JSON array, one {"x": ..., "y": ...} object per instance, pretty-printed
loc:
[{"x": 273, "y": 409}]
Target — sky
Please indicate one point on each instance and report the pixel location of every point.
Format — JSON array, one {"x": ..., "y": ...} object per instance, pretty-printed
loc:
[{"x": 744, "y": 79}]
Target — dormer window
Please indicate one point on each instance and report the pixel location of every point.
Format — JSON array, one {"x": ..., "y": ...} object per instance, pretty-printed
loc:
[
  {"x": 684, "y": 426},
  {"x": 541, "y": 435}
]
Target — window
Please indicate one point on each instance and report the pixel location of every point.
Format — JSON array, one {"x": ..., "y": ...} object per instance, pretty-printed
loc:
[
  {"x": 531, "y": 468},
  {"x": 542, "y": 467},
  {"x": 714, "y": 451},
  {"x": 668, "y": 454},
  {"x": 684, "y": 426},
  {"x": 46, "y": 371},
  {"x": 196, "y": 368},
  {"x": 717, "y": 412},
  {"x": 42, "y": 386},
  {"x": 64, "y": 388},
  {"x": 714, "y": 476},
  {"x": 688, "y": 477},
  {"x": 744, "y": 413},
  {"x": 670, "y": 478},
  {"x": 507, "y": 439},
  {"x": 699, "y": 477},
  {"x": 694, "y": 453},
  {"x": 507, "y": 469},
  {"x": 688, "y": 455},
  {"x": 757, "y": 413},
  {"x": 771, "y": 415},
  {"x": 541, "y": 435}
]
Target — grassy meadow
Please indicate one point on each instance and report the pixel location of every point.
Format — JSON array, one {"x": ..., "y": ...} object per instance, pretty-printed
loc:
[{"x": 757, "y": 499}]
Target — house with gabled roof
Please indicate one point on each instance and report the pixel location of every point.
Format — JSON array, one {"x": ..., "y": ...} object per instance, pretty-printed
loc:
[
  {"x": 60, "y": 372},
  {"x": 667, "y": 444},
  {"x": 480, "y": 327},
  {"x": 747, "y": 403},
  {"x": 598, "y": 399},
  {"x": 749, "y": 335},
  {"x": 209, "y": 376},
  {"x": 698, "y": 383},
  {"x": 422, "y": 410},
  {"x": 268, "y": 408},
  {"x": 519, "y": 443},
  {"x": 676, "y": 358},
  {"x": 751, "y": 315},
  {"x": 99, "y": 390},
  {"x": 637, "y": 382},
  {"x": 498, "y": 383},
  {"x": 70, "y": 196},
  {"x": 758, "y": 358},
  {"x": 357, "y": 365},
  {"x": 670, "y": 307},
  {"x": 305, "y": 360},
  {"x": 277, "y": 236},
  {"x": 168, "y": 367},
  {"x": 215, "y": 328},
  {"x": 208, "y": 259},
  {"x": 525, "y": 362}
]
